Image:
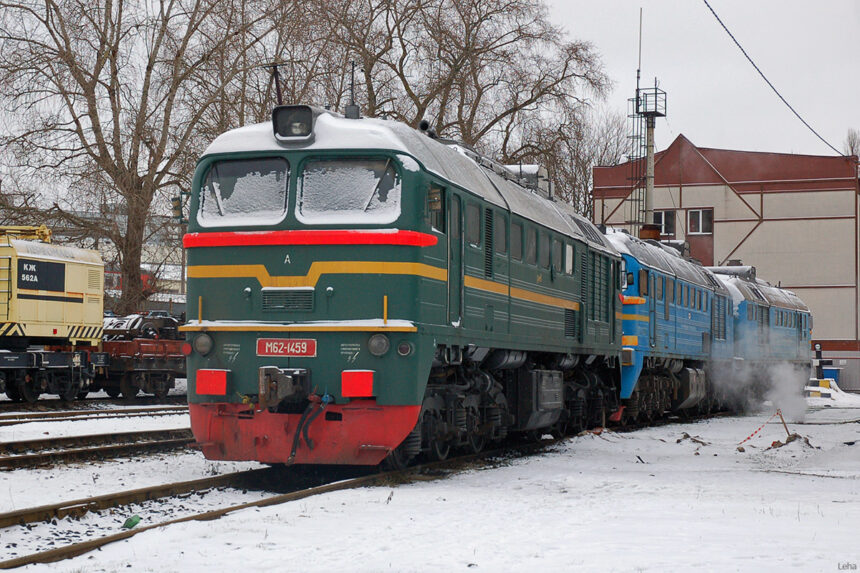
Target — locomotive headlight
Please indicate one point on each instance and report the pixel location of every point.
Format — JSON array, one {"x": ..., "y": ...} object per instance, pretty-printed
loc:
[
  {"x": 293, "y": 122},
  {"x": 404, "y": 348},
  {"x": 817, "y": 346},
  {"x": 378, "y": 344},
  {"x": 203, "y": 344}
]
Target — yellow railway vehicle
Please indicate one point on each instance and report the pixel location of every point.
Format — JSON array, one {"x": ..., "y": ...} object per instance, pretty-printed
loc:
[{"x": 51, "y": 306}]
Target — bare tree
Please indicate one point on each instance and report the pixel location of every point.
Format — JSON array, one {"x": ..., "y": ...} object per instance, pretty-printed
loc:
[
  {"x": 106, "y": 103},
  {"x": 852, "y": 142}
]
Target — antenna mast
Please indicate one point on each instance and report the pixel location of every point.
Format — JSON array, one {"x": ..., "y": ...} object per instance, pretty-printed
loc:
[
  {"x": 648, "y": 105},
  {"x": 352, "y": 111}
]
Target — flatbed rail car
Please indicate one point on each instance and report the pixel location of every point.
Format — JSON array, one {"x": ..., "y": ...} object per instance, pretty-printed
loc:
[
  {"x": 144, "y": 354},
  {"x": 51, "y": 299}
]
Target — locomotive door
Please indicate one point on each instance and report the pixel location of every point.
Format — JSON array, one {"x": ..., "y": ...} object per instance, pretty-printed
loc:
[
  {"x": 455, "y": 260},
  {"x": 652, "y": 311}
]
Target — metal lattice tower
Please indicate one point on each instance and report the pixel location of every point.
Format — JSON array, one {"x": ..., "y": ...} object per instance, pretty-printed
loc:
[{"x": 642, "y": 111}]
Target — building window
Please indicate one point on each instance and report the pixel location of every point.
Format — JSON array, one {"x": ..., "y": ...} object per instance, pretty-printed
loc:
[
  {"x": 700, "y": 221},
  {"x": 666, "y": 220}
]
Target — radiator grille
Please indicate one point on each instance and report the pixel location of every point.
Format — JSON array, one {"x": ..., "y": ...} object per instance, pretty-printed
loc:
[
  {"x": 288, "y": 299},
  {"x": 94, "y": 279},
  {"x": 571, "y": 329}
]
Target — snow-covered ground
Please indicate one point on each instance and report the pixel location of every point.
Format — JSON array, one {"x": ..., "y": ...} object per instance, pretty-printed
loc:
[{"x": 670, "y": 498}]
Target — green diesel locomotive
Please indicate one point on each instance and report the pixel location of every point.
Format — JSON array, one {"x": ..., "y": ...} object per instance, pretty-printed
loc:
[{"x": 360, "y": 290}]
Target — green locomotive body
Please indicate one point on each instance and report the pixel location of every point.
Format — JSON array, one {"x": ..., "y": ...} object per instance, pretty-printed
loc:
[{"x": 361, "y": 291}]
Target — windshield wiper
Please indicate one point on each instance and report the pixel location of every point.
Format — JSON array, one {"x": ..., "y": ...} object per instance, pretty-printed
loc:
[{"x": 378, "y": 182}]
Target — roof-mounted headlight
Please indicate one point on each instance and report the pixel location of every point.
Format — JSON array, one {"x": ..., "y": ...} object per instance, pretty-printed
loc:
[{"x": 293, "y": 123}]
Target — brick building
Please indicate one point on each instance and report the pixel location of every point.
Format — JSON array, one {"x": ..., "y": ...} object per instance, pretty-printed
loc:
[{"x": 793, "y": 217}]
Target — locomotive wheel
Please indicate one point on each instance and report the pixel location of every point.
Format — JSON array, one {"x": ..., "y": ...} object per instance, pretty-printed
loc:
[
  {"x": 161, "y": 392},
  {"x": 561, "y": 429},
  {"x": 28, "y": 392},
  {"x": 82, "y": 394},
  {"x": 397, "y": 460},
  {"x": 69, "y": 394},
  {"x": 438, "y": 449},
  {"x": 112, "y": 391},
  {"x": 12, "y": 391},
  {"x": 127, "y": 387},
  {"x": 475, "y": 443}
]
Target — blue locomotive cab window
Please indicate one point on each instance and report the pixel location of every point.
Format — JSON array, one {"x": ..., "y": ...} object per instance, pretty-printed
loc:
[
  {"x": 363, "y": 191},
  {"x": 244, "y": 192}
]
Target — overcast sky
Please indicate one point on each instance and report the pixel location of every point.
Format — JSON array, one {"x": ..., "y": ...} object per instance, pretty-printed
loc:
[{"x": 810, "y": 51}]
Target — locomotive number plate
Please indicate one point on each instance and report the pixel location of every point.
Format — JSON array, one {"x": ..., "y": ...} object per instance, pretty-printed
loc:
[{"x": 286, "y": 347}]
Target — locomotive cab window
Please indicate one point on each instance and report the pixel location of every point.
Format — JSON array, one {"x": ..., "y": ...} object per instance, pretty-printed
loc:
[
  {"x": 643, "y": 282},
  {"x": 247, "y": 191},
  {"x": 348, "y": 191},
  {"x": 435, "y": 200}
]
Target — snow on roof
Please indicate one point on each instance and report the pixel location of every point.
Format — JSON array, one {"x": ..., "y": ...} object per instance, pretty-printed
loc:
[
  {"x": 760, "y": 292},
  {"x": 452, "y": 162},
  {"x": 661, "y": 257},
  {"x": 52, "y": 252}
]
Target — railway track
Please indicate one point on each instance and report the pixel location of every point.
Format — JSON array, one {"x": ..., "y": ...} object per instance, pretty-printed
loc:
[
  {"x": 57, "y": 404},
  {"x": 75, "y": 415},
  {"x": 47, "y": 451},
  {"x": 80, "y": 507}
]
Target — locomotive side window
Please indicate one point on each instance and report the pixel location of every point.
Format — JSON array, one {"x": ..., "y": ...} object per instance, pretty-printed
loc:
[
  {"x": 516, "y": 241},
  {"x": 670, "y": 290},
  {"x": 473, "y": 224},
  {"x": 500, "y": 233},
  {"x": 659, "y": 288},
  {"x": 543, "y": 250},
  {"x": 531, "y": 245},
  {"x": 247, "y": 191},
  {"x": 348, "y": 191},
  {"x": 643, "y": 282},
  {"x": 556, "y": 254},
  {"x": 568, "y": 259}
]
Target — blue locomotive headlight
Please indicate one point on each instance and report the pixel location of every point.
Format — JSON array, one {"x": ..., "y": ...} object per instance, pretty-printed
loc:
[
  {"x": 203, "y": 344},
  {"x": 293, "y": 123},
  {"x": 378, "y": 344}
]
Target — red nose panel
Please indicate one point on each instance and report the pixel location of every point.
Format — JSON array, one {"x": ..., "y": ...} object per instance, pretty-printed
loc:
[
  {"x": 212, "y": 382},
  {"x": 356, "y": 383}
]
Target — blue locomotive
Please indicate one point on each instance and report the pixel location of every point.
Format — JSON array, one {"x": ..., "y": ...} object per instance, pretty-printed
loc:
[{"x": 697, "y": 338}]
